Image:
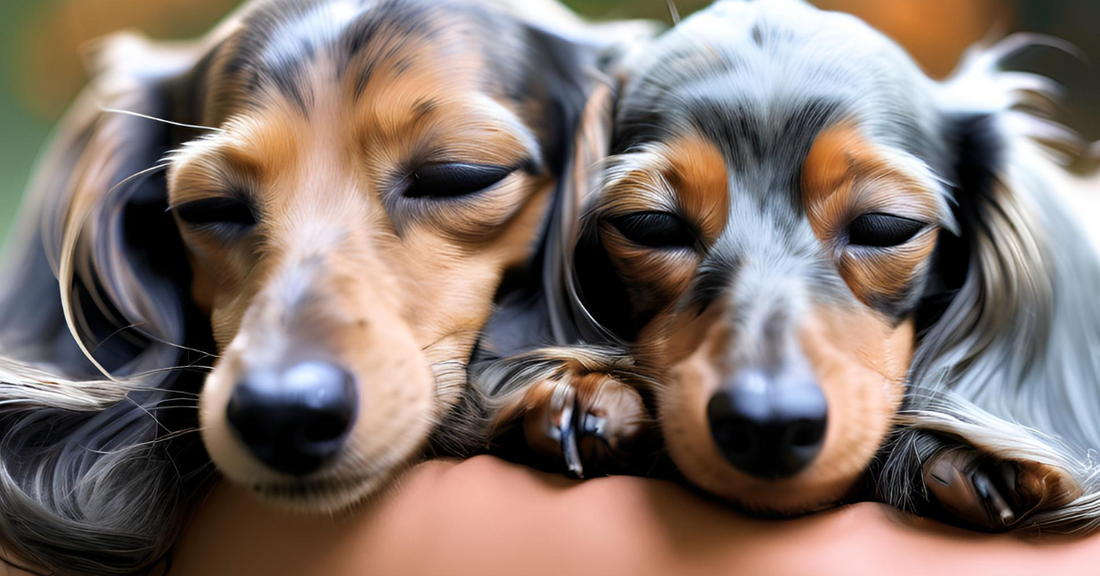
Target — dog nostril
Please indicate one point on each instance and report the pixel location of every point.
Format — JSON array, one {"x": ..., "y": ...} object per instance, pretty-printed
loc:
[
  {"x": 328, "y": 400},
  {"x": 737, "y": 436},
  {"x": 807, "y": 433},
  {"x": 325, "y": 430},
  {"x": 768, "y": 427},
  {"x": 297, "y": 419}
]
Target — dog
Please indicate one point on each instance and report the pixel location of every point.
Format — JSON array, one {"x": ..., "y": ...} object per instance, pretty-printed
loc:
[
  {"x": 833, "y": 278},
  {"x": 325, "y": 197}
]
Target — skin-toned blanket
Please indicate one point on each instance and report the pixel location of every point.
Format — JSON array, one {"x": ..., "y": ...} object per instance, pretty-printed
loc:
[{"x": 485, "y": 517}]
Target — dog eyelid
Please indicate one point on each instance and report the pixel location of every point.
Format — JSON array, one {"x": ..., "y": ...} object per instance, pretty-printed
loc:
[
  {"x": 454, "y": 179},
  {"x": 882, "y": 230},
  {"x": 655, "y": 229},
  {"x": 218, "y": 215}
]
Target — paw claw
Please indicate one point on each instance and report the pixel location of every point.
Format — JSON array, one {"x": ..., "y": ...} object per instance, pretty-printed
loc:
[
  {"x": 594, "y": 426},
  {"x": 567, "y": 436},
  {"x": 999, "y": 510},
  {"x": 586, "y": 422},
  {"x": 976, "y": 490}
]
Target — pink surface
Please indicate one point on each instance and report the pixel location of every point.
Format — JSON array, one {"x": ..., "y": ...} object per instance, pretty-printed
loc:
[{"x": 485, "y": 516}]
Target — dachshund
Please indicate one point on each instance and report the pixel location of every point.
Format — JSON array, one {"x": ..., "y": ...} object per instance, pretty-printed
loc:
[
  {"x": 834, "y": 278},
  {"x": 327, "y": 198}
]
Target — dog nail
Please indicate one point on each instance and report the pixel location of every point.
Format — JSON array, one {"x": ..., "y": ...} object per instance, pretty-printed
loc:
[
  {"x": 569, "y": 449},
  {"x": 1001, "y": 513},
  {"x": 594, "y": 426}
]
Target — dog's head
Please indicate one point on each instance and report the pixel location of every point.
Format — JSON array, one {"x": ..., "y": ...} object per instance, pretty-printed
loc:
[
  {"x": 774, "y": 230},
  {"x": 350, "y": 182},
  {"x": 379, "y": 168}
]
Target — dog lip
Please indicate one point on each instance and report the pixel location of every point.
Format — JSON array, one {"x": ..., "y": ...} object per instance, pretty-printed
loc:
[{"x": 309, "y": 489}]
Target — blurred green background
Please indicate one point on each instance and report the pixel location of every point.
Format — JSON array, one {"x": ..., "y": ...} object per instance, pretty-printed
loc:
[{"x": 41, "y": 71}]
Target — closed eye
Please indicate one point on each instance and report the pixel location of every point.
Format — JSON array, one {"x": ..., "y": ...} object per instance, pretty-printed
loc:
[
  {"x": 455, "y": 179},
  {"x": 878, "y": 230},
  {"x": 219, "y": 215},
  {"x": 655, "y": 229}
]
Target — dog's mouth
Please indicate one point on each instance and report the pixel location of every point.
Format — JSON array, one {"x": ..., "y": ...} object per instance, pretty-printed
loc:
[{"x": 330, "y": 493}]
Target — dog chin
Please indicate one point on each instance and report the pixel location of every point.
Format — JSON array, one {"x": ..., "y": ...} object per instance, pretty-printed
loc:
[
  {"x": 765, "y": 507},
  {"x": 788, "y": 497},
  {"x": 323, "y": 495}
]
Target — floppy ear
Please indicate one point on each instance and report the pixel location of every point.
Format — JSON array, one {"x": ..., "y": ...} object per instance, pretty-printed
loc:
[
  {"x": 595, "y": 300},
  {"x": 606, "y": 49},
  {"x": 94, "y": 320},
  {"x": 535, "y": 311},
  {"x": 598, "y": 298},
  {"x": 598, "y": 294},
  {"x": 94, "y": 210},
  {"x": 1010, "y": 348},
  {"x": 538, "y": 311},
  {"x": 577, "y": 65}
]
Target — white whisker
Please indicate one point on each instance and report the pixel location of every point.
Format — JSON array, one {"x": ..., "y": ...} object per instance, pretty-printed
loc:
[
  {"x": 673, "y": 13},
  {"x": 155, "y": 119},
  {"x": 68, "y": 269}
]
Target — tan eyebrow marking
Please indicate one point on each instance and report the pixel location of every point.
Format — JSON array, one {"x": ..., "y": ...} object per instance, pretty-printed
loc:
[
  {"x": 845, "y": 174},
  {"x": 687, "y": 174},
  {"x": 697, "y": 175},
  {"x": 828, "y": 174}
]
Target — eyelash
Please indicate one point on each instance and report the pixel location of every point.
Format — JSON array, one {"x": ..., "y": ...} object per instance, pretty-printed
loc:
[
  {"x": 881, "y": 230},
  {"x": 221, "y": 216},
  {"x": 455, "y": 180},
  {"x": 655, "y": 229}
]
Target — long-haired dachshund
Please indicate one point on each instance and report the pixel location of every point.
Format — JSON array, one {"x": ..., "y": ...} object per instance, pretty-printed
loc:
[
  {"x": 329, "y": 195},
  {"x": 836, "y": 269}
]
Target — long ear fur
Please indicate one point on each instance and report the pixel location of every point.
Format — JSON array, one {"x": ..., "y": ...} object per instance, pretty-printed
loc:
[
  {"x": 97, "y": 333},
  {"x": 1011, "y": 362},
  {"x": 540, "y": 334},
  {"x": 616, "y": 44},
  {"x": 526, "y": 340}
]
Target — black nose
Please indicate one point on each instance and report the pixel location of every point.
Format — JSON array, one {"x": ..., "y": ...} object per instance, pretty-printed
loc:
[
  {"x": 766, "y": 426},
  {"x": 296, "y": 419}
]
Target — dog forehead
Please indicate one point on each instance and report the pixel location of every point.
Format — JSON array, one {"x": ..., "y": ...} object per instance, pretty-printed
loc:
[
  {"x": 296, "y": 35},
  {"x": 281, "y": 44},
  {"x": 774, "y": 66},
  {"x": 760, "y": 82}
]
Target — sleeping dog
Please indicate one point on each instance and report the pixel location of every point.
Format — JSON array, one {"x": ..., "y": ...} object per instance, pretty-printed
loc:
[
  {"x": 832, "y": 269},
  {"x": 326, "y": 197}
]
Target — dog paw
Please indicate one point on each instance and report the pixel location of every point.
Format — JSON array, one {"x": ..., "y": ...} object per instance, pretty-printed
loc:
[
  {"x": 975, "y": 490},
  {"x": 590, "y": 421}
]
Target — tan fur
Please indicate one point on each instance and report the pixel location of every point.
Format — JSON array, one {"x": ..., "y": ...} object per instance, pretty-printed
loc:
[
  {"x": 844, "y": 175},
  {"x": 697, "y": 173},
  {"x": 332, "y": 275}
]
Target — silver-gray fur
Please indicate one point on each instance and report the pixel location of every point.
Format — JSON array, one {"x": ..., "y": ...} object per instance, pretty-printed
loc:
[
  {"x": 1008, "y": 360},
  {"x": 94, "y": 468},
  {"x": 1012, "y": 367}
]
